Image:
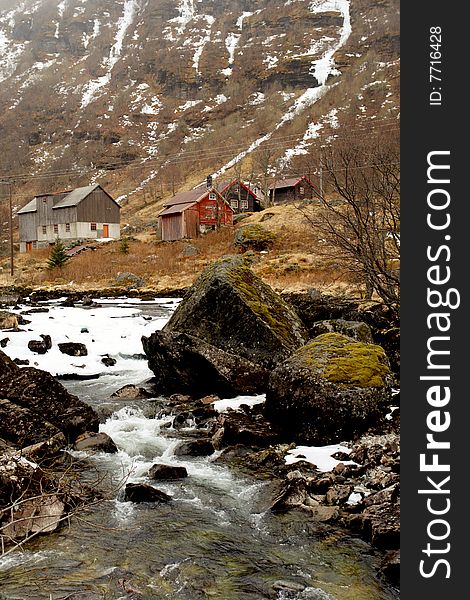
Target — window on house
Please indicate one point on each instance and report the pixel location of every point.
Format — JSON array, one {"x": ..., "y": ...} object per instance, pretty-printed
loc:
[
  {"x": 44, "y": 229},
  {"x": 301, "y": 190},
  {"x": 93, "y": 226},
  {"x": 234, "y": 202},
  {"x": 67, "y": 227},
  {"x": 243, "y": 203},
  {"x": 212, "y": 196},
  {"x": 56, "y": 228}
]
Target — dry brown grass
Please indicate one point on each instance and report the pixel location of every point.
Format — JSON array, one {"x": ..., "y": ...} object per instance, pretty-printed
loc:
[{"x": 294, "y": 262}]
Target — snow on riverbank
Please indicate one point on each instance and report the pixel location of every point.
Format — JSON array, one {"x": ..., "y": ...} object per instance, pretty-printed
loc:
[{"x": 113, "y": 328}]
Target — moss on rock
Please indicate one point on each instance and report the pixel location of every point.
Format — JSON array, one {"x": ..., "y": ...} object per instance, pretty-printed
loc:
[
  {"x": 254, "y": 237},
  {"x": 340, "y": 359}
]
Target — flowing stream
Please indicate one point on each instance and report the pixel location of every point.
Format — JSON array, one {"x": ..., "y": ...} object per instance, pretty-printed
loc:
[{"x": 214, "y": 540}]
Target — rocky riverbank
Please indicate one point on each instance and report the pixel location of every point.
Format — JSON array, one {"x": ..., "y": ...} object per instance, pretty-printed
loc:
[
  {"x": 329, "y": 368},
  {"x": 327, "y": 380}
]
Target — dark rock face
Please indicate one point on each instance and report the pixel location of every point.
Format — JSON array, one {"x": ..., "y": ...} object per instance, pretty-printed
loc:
[
  {"x": 357, "y": 330},
  {"x": 230, "y": 329},
  {"x": 142, "y": 492},
  {"x": 187, "y": 364},
  {"x": 21, "y": 426},
  {"x": 202, "y": 447},
  {"x": 167, "y": 472},
  {"x": 95, "y": 442},
  {"x": 39, "y": 406},
  {"x": 73, "y": 349},
  {"x": 238, "y": 428},
  {"x": 332, "y": 389}
]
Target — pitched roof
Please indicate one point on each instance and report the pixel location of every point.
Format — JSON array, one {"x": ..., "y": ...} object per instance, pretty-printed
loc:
[
  {"x": 285, "y": 183},
  {"x": 65, "y": 199},
  {"x": 185, "y": 197},
  {"x": 223, "y": 186},
  {"x": 176, "y": 208},
  {"x": 75, "y": 196},
  {"x": 28, "y": 208}
]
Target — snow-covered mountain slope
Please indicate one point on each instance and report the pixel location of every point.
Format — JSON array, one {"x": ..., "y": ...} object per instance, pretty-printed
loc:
[{"x": 147, "y": 95}]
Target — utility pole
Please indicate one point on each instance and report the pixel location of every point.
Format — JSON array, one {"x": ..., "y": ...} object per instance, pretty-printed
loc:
[
  {"x": 10, "y": 221},
  {"x": 321, "y": 171},
  {"x": 10, "y": 224}
]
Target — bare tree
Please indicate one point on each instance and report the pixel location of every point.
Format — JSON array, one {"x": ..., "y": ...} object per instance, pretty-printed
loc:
[{"x": 358, "y": 217}]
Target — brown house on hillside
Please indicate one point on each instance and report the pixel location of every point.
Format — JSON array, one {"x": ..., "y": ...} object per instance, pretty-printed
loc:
[
  {"x": 289, "y": 190},
  {"x": 240, "y": 196},
  {"x": 188, "y": 214}
]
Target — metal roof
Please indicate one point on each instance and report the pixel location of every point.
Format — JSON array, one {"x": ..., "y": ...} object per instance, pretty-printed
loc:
[
  {"x": 176, "y": 208},
  {"x": 28, "y": 208},
  {"x": 75, "y": 196},
  {"x": 285, "y": 183},
  {"x": 185, "y": 197}
]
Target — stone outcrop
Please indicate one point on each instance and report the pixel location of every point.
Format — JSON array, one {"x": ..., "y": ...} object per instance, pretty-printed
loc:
[
  {"x": 331, "y": 389},
  {"x": 254, "y": 237},
  {"x": 8, "y": 320},
  {"x": 186, "y": 364},
  {"x": 36, "y": 406},
  {"x": 142, "y": 492},
  {"x": 230, "y": 327},
  {"x": 91, "y": 441}
]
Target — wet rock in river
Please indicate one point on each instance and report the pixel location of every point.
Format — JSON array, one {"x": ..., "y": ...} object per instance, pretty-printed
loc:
[
  {"x": 73, "y": 349},
  {"x": 91, "y": 441},
  {"x": 131, "y": 392},
  {"x": 202, "y": 447},
  {"x": 240, "y": 428},
  {"x": 50, "y": 406},
  {"x": 142, "y": 492},
  {"x": 160, "y": 471},
  {"x": 40, "y": 346}
]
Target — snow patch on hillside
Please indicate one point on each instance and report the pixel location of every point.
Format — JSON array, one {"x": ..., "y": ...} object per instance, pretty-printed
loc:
[
  {"x": 9, "y": 56},
  {"x": 187, "y": 12},
  {"x": 203, "y": 40},
  {"x": 31, "y": 75},
  {"x": 320, "y": 69},
  {"x": 125, "y": 21}
]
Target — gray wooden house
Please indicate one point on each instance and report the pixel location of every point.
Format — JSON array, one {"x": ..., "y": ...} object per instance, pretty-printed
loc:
[{"x": 85, "y": 213}]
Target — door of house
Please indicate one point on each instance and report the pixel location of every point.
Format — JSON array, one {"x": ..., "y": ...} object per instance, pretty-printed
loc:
[
  {"x": 105, "y": 231},
  {"x": 29, "y": 246}
]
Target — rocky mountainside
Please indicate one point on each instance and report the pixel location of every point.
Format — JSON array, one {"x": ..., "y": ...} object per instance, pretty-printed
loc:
[{"x": 148, "y": 96}]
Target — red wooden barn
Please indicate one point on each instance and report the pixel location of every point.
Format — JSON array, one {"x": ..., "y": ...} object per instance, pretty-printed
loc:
[{"x": 188, "y": 214}]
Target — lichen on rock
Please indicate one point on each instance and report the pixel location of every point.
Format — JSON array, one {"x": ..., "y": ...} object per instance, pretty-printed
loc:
[{"x": 333, "y": 388}]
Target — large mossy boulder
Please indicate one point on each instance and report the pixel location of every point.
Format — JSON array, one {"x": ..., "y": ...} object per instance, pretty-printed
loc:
[
  {"x": 36, "y": 406},
  {"x": 333, "y": 388},
  {"x": 233, "y": 309},
  {"x": 237, "y": 329}
]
